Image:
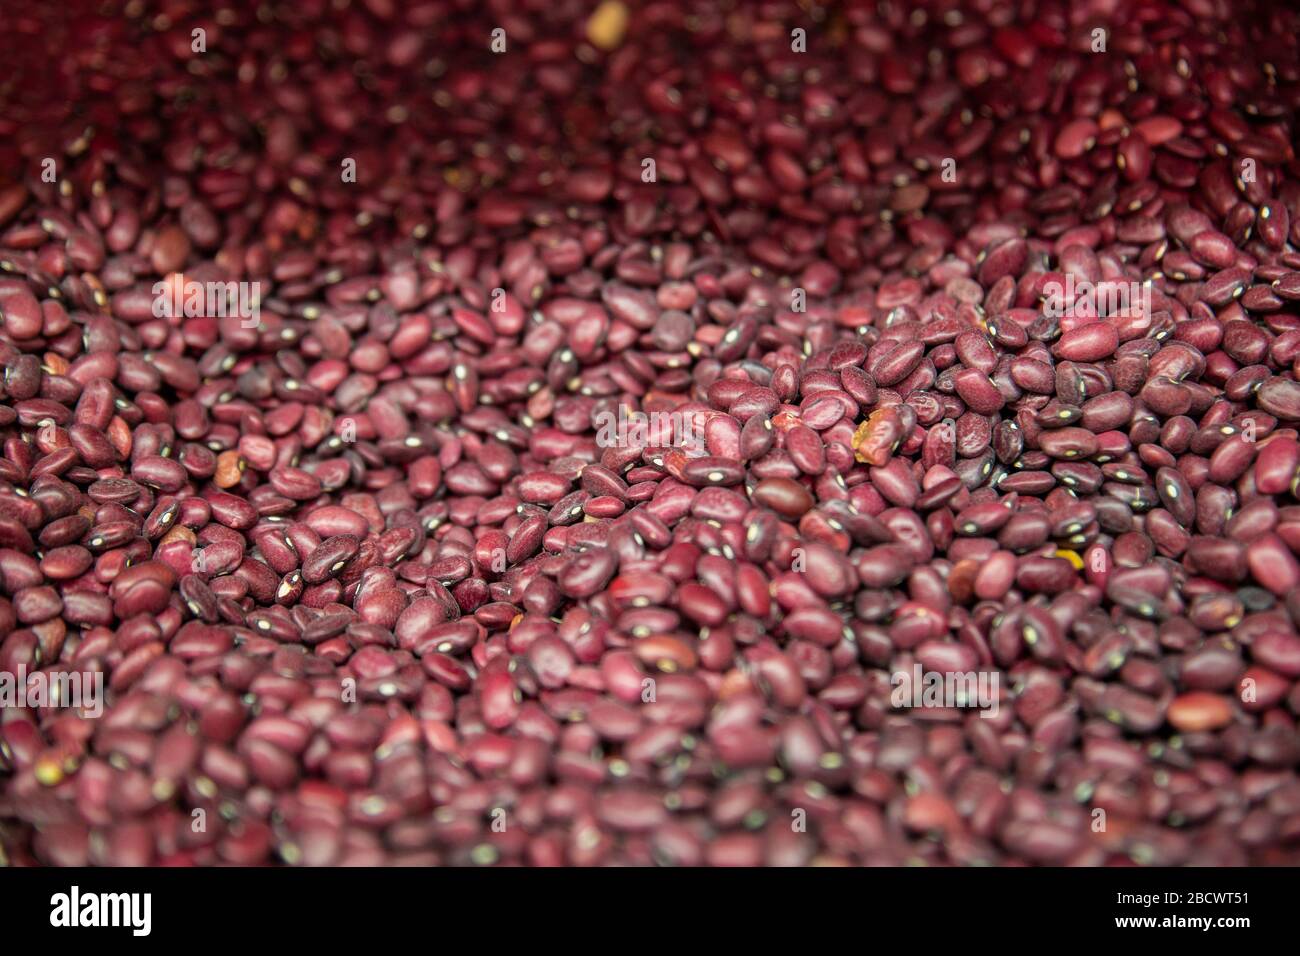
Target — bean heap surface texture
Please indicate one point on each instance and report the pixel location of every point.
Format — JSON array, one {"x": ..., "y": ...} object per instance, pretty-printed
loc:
[{"x": 459, "y": 433}]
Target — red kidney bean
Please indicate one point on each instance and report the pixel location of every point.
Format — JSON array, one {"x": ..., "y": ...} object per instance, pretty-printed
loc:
[
  {"x": 978, "y": 392},
  {"x": 330, "y": 558},
  {"x": 1273, "y": 564},
  {"x": 1090, "y": 343}
]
